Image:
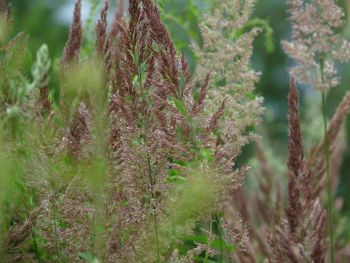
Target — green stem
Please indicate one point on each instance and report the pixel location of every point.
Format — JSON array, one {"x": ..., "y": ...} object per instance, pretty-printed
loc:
[
  {"x": 150, "y": 170},
  {"x": 220, "y": 237},
  {"x": 209, "y": 242},
  {"x": 329, "y": 179},
  {"x": 157, "y": 236},
  {"x": 57, "y": 248},
  {"x": 150, "y": 173}
]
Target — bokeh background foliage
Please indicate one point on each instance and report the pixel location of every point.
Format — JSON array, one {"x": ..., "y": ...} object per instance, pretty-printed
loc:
[{"x": 48, "y": 22}]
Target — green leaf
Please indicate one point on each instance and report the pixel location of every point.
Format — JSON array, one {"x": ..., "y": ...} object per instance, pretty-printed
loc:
[
  {"x": 264, "y": 25},
  {"x": 88, "y": 257},
  {"x": 175, "y": 176},
  {"x": 206, "y": 154},
  {"x": 182, "y": 36},
  {"x": 197, "y": 238},
  {"x": 181, "y": 107}
]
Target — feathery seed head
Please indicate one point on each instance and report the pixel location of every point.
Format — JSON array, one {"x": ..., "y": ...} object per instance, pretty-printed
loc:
[
  {"x": 72, "y": 49},
  {"x": 315, "y": 45}
]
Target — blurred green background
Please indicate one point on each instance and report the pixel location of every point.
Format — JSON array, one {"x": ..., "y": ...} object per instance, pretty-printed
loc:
[{"x": 47, "y": 21}]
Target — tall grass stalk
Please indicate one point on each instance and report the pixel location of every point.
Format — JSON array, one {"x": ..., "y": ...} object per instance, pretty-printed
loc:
[
  {"x": 155, "y": 218},
  {"x": 209, "y": 242},
  {"x": 157, "y": 236},
  {"x": 57, "y": 245},
  {"x": 218, "y": 220},
  {"x": 329, "y": 179}
]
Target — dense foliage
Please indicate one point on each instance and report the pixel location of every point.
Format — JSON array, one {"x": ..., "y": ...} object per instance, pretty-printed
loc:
[{"x": 128, "y": 148}]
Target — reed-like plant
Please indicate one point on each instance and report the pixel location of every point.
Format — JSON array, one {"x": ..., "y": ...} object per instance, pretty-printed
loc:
[
  {"x": 120, "y": 162},
  {"x": 135, "y": 161}
]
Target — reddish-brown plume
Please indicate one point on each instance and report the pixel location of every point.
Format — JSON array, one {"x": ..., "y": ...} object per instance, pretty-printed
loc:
[
  {"x": 301, "y": 236},
  {"x": 213, "y": 120},
  {"x": 199, "y": 103},
  {"x": 296, "y": 152},
  {"x": 315, "y": 160},
  {"x": 79, "y": 131},
  {"x": 296, "y": 156},
  {"x": 117, "y": 21},
  {"x": 44, "y": 99},
  {"x": 72, "y": 49},
  {"x": 336, "y": 123},
  {"x": 18, "y": 233},
  {"x": 266, "y": 184},
  {"x": 103, "y": 43},
  {"x": 101, "y": 31}
]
